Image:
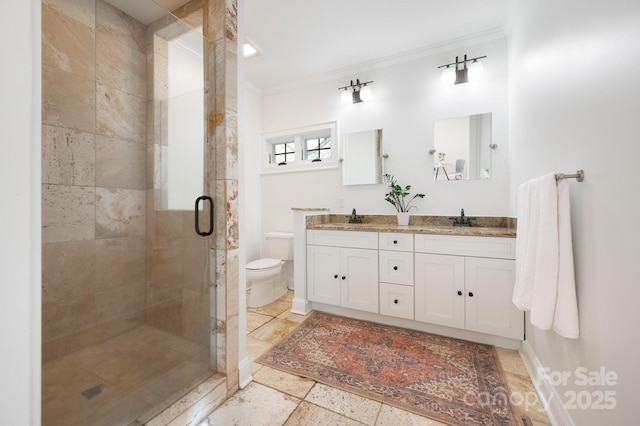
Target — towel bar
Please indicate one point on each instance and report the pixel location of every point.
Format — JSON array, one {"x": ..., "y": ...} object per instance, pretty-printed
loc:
[{"x": 579, "y": 176}]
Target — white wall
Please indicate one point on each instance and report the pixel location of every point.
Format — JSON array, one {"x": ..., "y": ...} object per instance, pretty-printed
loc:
[
  {"x": 250, "y": 161},
  {"x": 20, "y": 225},
  {"x": 407, "y": 98},
  {"x": 575, "y": 103}
]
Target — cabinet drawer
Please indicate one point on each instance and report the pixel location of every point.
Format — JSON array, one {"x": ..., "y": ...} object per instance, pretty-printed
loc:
[
  {"x": 396, "y": 300},
  {"x": 496, "y": 247},
  {"x": 396, "y": 242},
  {"x": 354, "y": 239},
  {"x": 396, "y": 267}
]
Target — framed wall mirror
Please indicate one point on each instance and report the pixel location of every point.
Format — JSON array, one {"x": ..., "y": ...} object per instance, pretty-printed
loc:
[
  {"x": 362, "y": 158},
  {"x": 462, "y": 148}
]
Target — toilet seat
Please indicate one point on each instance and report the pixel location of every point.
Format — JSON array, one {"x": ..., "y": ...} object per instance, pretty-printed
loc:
[{"x": 264, "y": 264}]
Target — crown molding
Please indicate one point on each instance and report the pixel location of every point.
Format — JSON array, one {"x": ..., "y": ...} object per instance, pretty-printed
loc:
[{"x": 402, "y": 57}]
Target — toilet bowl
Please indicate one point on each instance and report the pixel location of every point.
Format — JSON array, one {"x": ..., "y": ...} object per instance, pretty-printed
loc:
[{"x": 268, "y": 276}]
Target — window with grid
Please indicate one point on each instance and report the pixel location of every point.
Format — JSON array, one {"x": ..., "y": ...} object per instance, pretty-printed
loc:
[
  {"x": 284, "y": 153},
  {"x": 306, "y": 148},
  {"x": 318, "y": 149}
]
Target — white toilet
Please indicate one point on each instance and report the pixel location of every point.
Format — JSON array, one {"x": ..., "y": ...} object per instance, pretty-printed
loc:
[{"x": 268, "y": 276}]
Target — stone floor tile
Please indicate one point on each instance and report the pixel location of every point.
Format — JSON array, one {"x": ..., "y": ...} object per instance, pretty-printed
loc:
[
  {"x": 392, "y": 416},
  {"x": 255, "y": 405},
  {"x": 348, "y": 404},
  {"x": 273, "y": 331},
  {"x": 284, "y": 382},
  {"x": 309, "y": 414}
]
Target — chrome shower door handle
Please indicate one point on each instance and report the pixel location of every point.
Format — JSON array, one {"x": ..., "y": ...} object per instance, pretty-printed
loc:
[{"x": 197, "y": 215}]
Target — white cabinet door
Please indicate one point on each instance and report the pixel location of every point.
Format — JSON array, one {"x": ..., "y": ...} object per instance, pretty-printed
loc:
[
  {"x": 359, "y": 277},
  {"x": 323, "y": 274},
  {"x": 439, "y": 289},
  {"x": 489, "y": 290}
]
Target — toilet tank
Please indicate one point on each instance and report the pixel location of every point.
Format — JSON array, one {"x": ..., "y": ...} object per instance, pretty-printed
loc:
[{"x": 279, "y": 245}]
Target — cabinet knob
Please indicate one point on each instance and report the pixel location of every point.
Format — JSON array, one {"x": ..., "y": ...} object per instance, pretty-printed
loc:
[
  {"x": 344, "y": 278},
  {"x": 395, "y": 268},
  {"x": 395, "y": 241},
  {"x": 395, "y": 301},
  {"x": 335, "y": 276},
  {"x": 470, "y": 294},
  {"x": 459, "y": 293}
]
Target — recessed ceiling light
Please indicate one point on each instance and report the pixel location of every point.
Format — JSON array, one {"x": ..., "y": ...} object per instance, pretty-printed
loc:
[{"x": 250, "y": 49}]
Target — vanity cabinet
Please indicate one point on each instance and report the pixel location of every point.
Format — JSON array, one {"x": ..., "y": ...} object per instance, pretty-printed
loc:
[
  {"x": 396, "y": 275},
  {"x": 465, "y": 290},
  {"x": 342, "y": 269},
  {"x": 462, "y": 282}
]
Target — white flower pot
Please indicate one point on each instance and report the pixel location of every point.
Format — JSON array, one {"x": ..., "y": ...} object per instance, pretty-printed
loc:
[{"x": 403, "y": 218}]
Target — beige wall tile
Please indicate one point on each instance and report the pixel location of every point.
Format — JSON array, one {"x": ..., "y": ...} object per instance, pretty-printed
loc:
[
  {"x": 115, "y": 48},
  {"x": 120, "y": 212},
  {"x": 166, "y": 315},
  {"x": 67, "y": 43},
  {"x": 71, "y": 270},
  {"x": 120, "y": 26},
  {"x": 120, "y": 164},
  {"x": 195, "y": 316},
  {"x": 83, "y": 11},
  {"x": 67, "y": 100},
  {"x": 166, "y": 263},
  {"x": 68, "y": 156},
  {"x": 68, "y": 316},
  {"x": 120, "y": 114},
  {"x": 120, "y": 261},
  {"x": 118, "y": 302},
  {"x": 196, "y": 265},
  {"x": 67, "y": 213}
]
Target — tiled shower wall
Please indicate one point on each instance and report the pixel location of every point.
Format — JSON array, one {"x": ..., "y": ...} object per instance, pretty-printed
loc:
[{"x": 94, "y": 183}]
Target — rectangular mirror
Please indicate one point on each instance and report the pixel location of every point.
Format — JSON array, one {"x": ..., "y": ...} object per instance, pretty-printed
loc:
[
  {"x": 362, "y": 158},
  {"x": 462, "y": 148}
]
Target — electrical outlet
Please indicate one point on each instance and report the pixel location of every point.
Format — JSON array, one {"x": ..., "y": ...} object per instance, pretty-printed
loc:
[{"x": 340, "y": 202}]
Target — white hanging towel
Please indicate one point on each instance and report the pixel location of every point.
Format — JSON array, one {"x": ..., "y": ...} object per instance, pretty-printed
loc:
[{"x": 545, "y": 282}]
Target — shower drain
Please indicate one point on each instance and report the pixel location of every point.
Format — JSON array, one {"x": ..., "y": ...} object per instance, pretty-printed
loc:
[{"x": 94, "y": 391}]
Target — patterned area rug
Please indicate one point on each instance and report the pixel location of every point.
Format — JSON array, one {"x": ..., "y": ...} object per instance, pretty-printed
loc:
[{"x": 449, "y": 380}]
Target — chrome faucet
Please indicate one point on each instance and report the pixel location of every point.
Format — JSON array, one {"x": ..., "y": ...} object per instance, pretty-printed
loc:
[
  {"x": 354, "y": 218},
  {"x": 462, "y": 220}
]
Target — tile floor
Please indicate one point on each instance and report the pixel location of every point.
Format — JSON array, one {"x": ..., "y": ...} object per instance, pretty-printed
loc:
[
  {"x": 134, "y": 372},
  {"x": 277, "y": 398}
]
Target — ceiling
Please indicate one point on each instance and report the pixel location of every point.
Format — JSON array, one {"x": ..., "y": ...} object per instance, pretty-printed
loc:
[{"x": 303, "y": 40}]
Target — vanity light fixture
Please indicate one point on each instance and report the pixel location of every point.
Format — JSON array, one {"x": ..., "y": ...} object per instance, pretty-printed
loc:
[
  {"x": 250, "y": 49},
  {"x": 355, "y": 93},
  {"x": 452, "y": 73}
]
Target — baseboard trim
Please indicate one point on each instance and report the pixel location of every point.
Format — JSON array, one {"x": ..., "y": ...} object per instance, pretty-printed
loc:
[
  {"x": 557, "y": 413},
  {"x": 244, "y": 373}
]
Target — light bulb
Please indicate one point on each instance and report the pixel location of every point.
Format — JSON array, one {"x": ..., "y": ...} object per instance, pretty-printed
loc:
[
  {"x": 448, "y": 75},
  {"x": 365, "y": 93},
  {"x": 476, "y": 70},
  {"x": 345, "y": 96}
]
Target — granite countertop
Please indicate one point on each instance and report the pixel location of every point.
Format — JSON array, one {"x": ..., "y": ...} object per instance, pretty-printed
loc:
[{"x": 482, "y": 226}]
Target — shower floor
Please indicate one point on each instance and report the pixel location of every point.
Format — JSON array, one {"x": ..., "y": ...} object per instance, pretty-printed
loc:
[{"x": 121, "y": 379}]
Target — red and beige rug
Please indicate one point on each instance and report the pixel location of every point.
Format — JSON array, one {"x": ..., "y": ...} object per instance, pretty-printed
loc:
[{"x": 449, "y": 380}]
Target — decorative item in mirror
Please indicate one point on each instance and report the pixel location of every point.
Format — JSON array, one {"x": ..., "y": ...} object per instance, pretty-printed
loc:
[{"x": 464, "y": 148}]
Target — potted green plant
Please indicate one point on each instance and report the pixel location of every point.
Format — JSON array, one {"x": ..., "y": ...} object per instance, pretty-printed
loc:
[{"x": 399, "y": 197}]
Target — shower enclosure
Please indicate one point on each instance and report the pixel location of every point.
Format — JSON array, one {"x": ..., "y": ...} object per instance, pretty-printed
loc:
[{"x": 128, "y": 306}]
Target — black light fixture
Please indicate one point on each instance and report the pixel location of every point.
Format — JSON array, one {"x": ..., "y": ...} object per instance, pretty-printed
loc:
[
  {"x": 355, "y": 93},
  {"x": 452, "y": 73}
]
